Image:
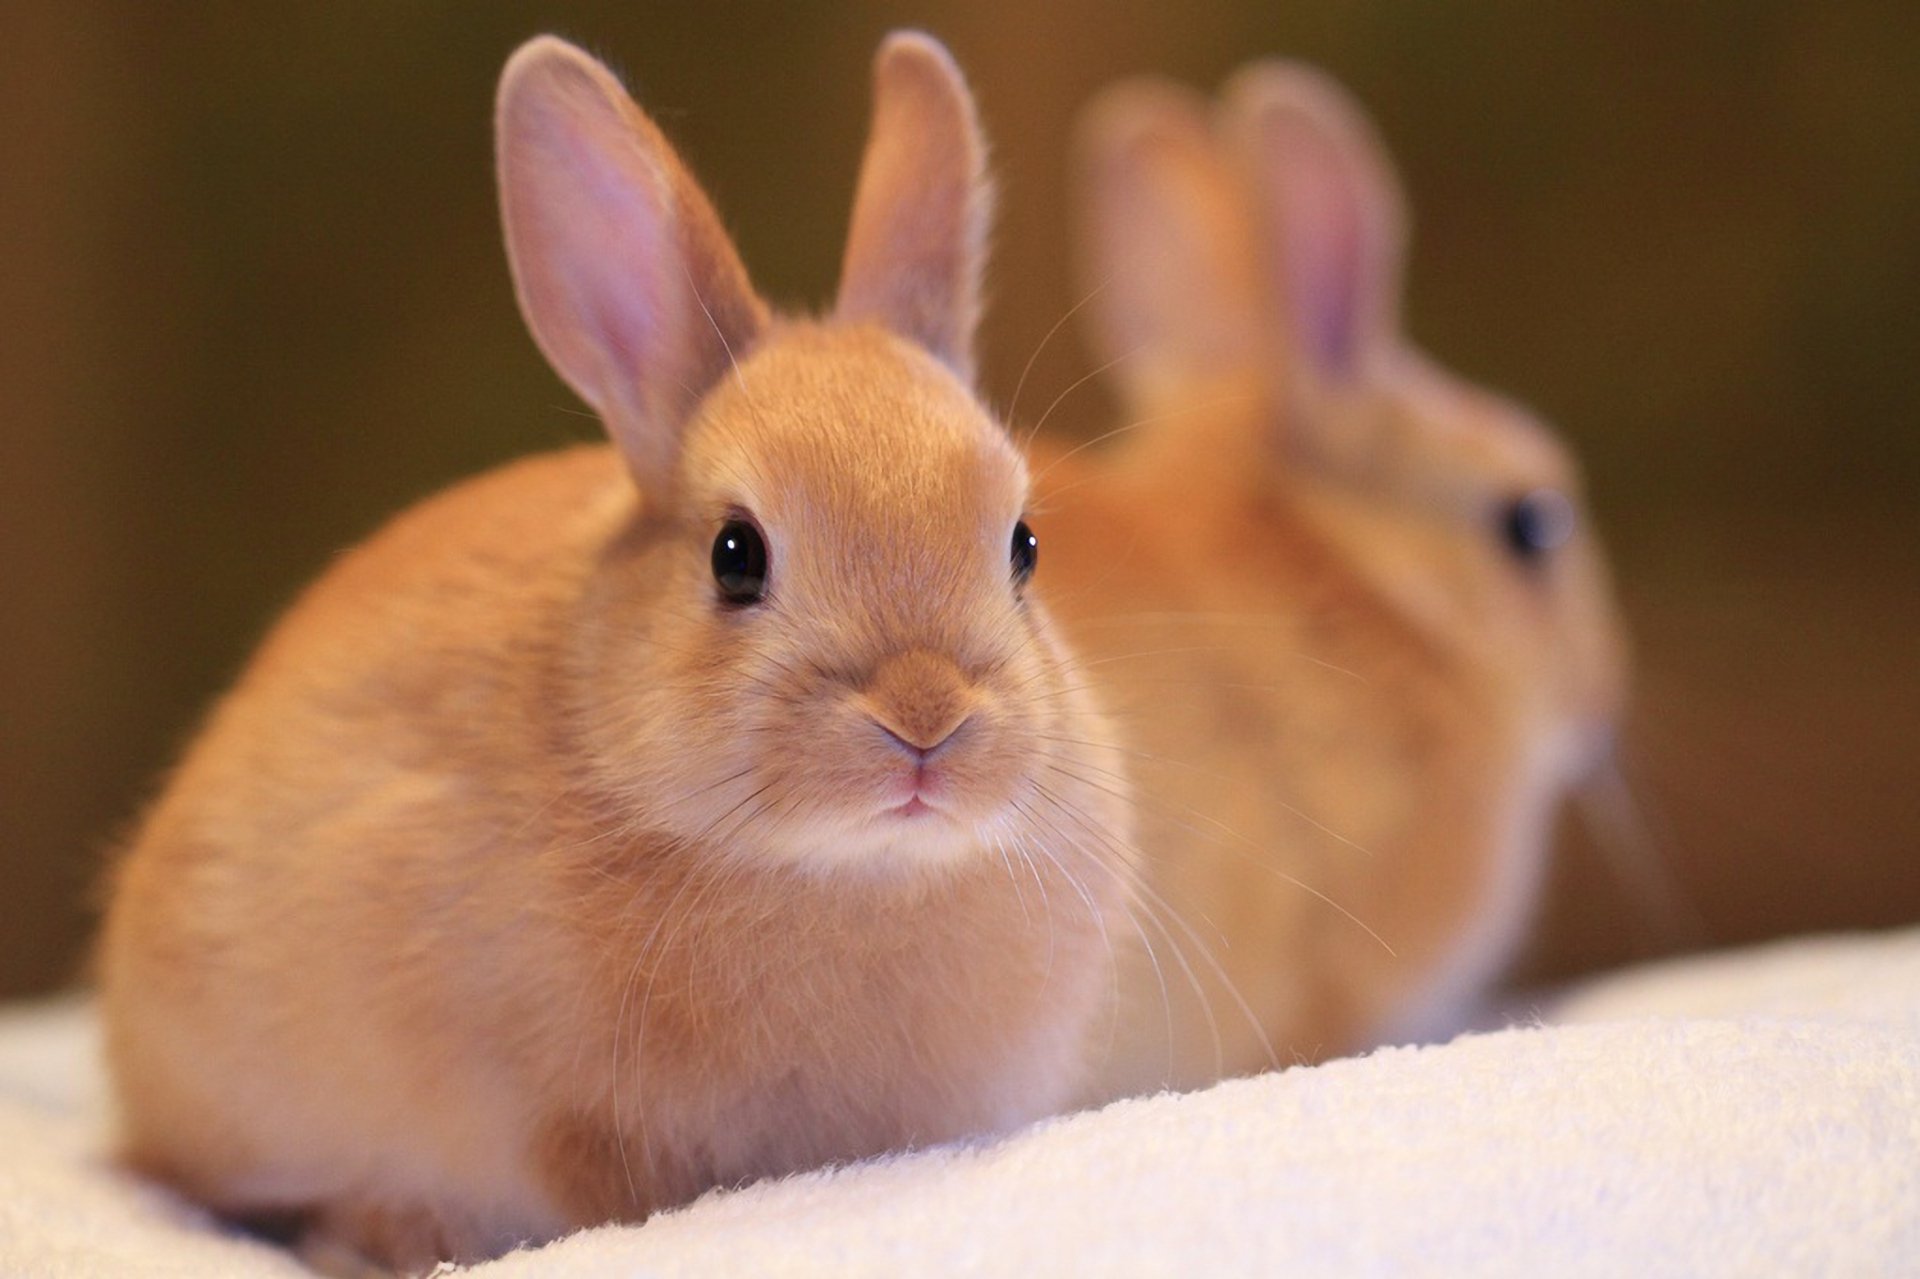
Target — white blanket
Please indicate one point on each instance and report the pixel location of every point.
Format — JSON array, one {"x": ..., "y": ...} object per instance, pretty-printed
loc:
[{"x": 1755, "y": 1113}]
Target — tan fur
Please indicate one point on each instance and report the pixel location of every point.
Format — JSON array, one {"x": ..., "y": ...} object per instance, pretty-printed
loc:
[
  {"x": 1349, "y": 709},
  {"x": 935, "y": 136},
  {"x": 522, "y": 884}
]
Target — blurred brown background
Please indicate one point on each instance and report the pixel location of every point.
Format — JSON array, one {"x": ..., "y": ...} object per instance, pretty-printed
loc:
[{"x": 252, "y": 300}]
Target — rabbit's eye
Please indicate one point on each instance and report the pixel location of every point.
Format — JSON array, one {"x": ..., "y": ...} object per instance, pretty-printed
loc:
[
  {"x": 1026, "y": 552},
  {"x": 740, "y": 562},
  {"x": 1534, "y": 524}
]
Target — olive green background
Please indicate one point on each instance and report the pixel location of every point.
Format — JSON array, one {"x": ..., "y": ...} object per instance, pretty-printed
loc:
[{"x": 252, "y": 300}]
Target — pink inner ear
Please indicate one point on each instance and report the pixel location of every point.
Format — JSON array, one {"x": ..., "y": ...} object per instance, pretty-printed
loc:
[
  {"x": 595, "y": 239},
  {"x": 1326, "y": 269},
  {"x": 622, "y": 327},
  {"x": 1321, "y": 225},
  {"x": 616, "y": 273}
]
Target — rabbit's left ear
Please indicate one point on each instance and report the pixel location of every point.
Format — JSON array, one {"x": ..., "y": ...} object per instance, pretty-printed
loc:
[
  {"x": 625, "y": 276},
  {"x": 917, "y": 245},
  {"x": 1334, "y": 213},
  {"x": 1169, "y": 253}
]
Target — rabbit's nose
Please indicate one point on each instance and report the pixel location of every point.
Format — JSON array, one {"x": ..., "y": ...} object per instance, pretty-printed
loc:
[
  {"x": 921, "y": 749},
  {"x": 919, "y": 700}
]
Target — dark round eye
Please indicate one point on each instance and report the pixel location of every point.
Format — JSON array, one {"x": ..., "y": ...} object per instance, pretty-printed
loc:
[
  {"x": 1534, "y": 524},
  {"x": 740, "y": 562},
  {"x": 1026, "y": 552}
]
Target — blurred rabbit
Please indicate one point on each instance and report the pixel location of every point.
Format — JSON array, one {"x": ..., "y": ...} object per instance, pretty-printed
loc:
[{"x": 1344, "y": 604}]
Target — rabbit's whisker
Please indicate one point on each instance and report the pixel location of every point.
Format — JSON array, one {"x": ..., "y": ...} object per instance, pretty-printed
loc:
[
  {"x": 1020, "y": 384},
  {"x": 1134, "y": 425},
  {"x": 1231, "y": 840},
  {"x": 1616, "y": 819}
]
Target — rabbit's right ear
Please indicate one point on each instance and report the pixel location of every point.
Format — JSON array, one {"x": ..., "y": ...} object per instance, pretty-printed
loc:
[
  {"x": 630, "y": 286},
  {"x": 1171, "y": 253},
  {"x": 1334, "y": 213},
  {"x": 917, "y": 244}
]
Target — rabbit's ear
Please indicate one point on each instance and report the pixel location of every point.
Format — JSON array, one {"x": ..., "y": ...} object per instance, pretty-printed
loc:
[
  {"x": 624, "y": 274},
  {"x": 1335, "y": 217},
  {"x": 1170, "y": 254},
  {"x": 917, "y": 244}
]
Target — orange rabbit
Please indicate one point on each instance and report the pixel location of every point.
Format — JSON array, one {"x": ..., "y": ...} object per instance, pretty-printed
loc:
[
  {"x": 638, "y": 819},
  {"x": 1344, "y": 605}
]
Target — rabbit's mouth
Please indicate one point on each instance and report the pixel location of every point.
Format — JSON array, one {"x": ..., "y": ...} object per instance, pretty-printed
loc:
[
  {"x": 921, "y": 789},
  {"x": 919, "y": 801}
]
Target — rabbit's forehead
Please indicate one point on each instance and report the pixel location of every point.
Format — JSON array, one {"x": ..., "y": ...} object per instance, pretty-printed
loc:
[
  {"x": 848, "y": 434},
  {"x": 1464, "y": 438}
]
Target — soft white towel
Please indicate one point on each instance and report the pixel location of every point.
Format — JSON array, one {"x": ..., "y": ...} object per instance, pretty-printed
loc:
[{"x": 1754, "y": 1113}]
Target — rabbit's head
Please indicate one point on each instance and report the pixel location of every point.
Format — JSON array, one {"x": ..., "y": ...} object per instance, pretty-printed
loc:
[{"x": 816, "y": 645}]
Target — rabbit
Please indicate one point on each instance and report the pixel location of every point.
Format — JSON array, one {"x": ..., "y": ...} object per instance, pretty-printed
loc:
[
  {"x": 652, "y": 816},
  {"x": 1345, "y": 606}
]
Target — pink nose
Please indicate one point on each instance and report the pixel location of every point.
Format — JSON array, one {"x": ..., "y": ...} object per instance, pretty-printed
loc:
[
  {"x": 919, "y": 699},
  {"x": 922, "y": 745}
]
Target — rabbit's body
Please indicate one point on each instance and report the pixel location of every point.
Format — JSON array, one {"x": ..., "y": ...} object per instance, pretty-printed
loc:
[
  {"x": 1339, "y": 827},
  {"x": 1351, "y": 703},
  {"x": 548, "y": 866},
  {"x": 376, "y": 934}
]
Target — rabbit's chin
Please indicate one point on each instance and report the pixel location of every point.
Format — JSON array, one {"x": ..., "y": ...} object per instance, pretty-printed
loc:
[{"x": 908, "y": 841}]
